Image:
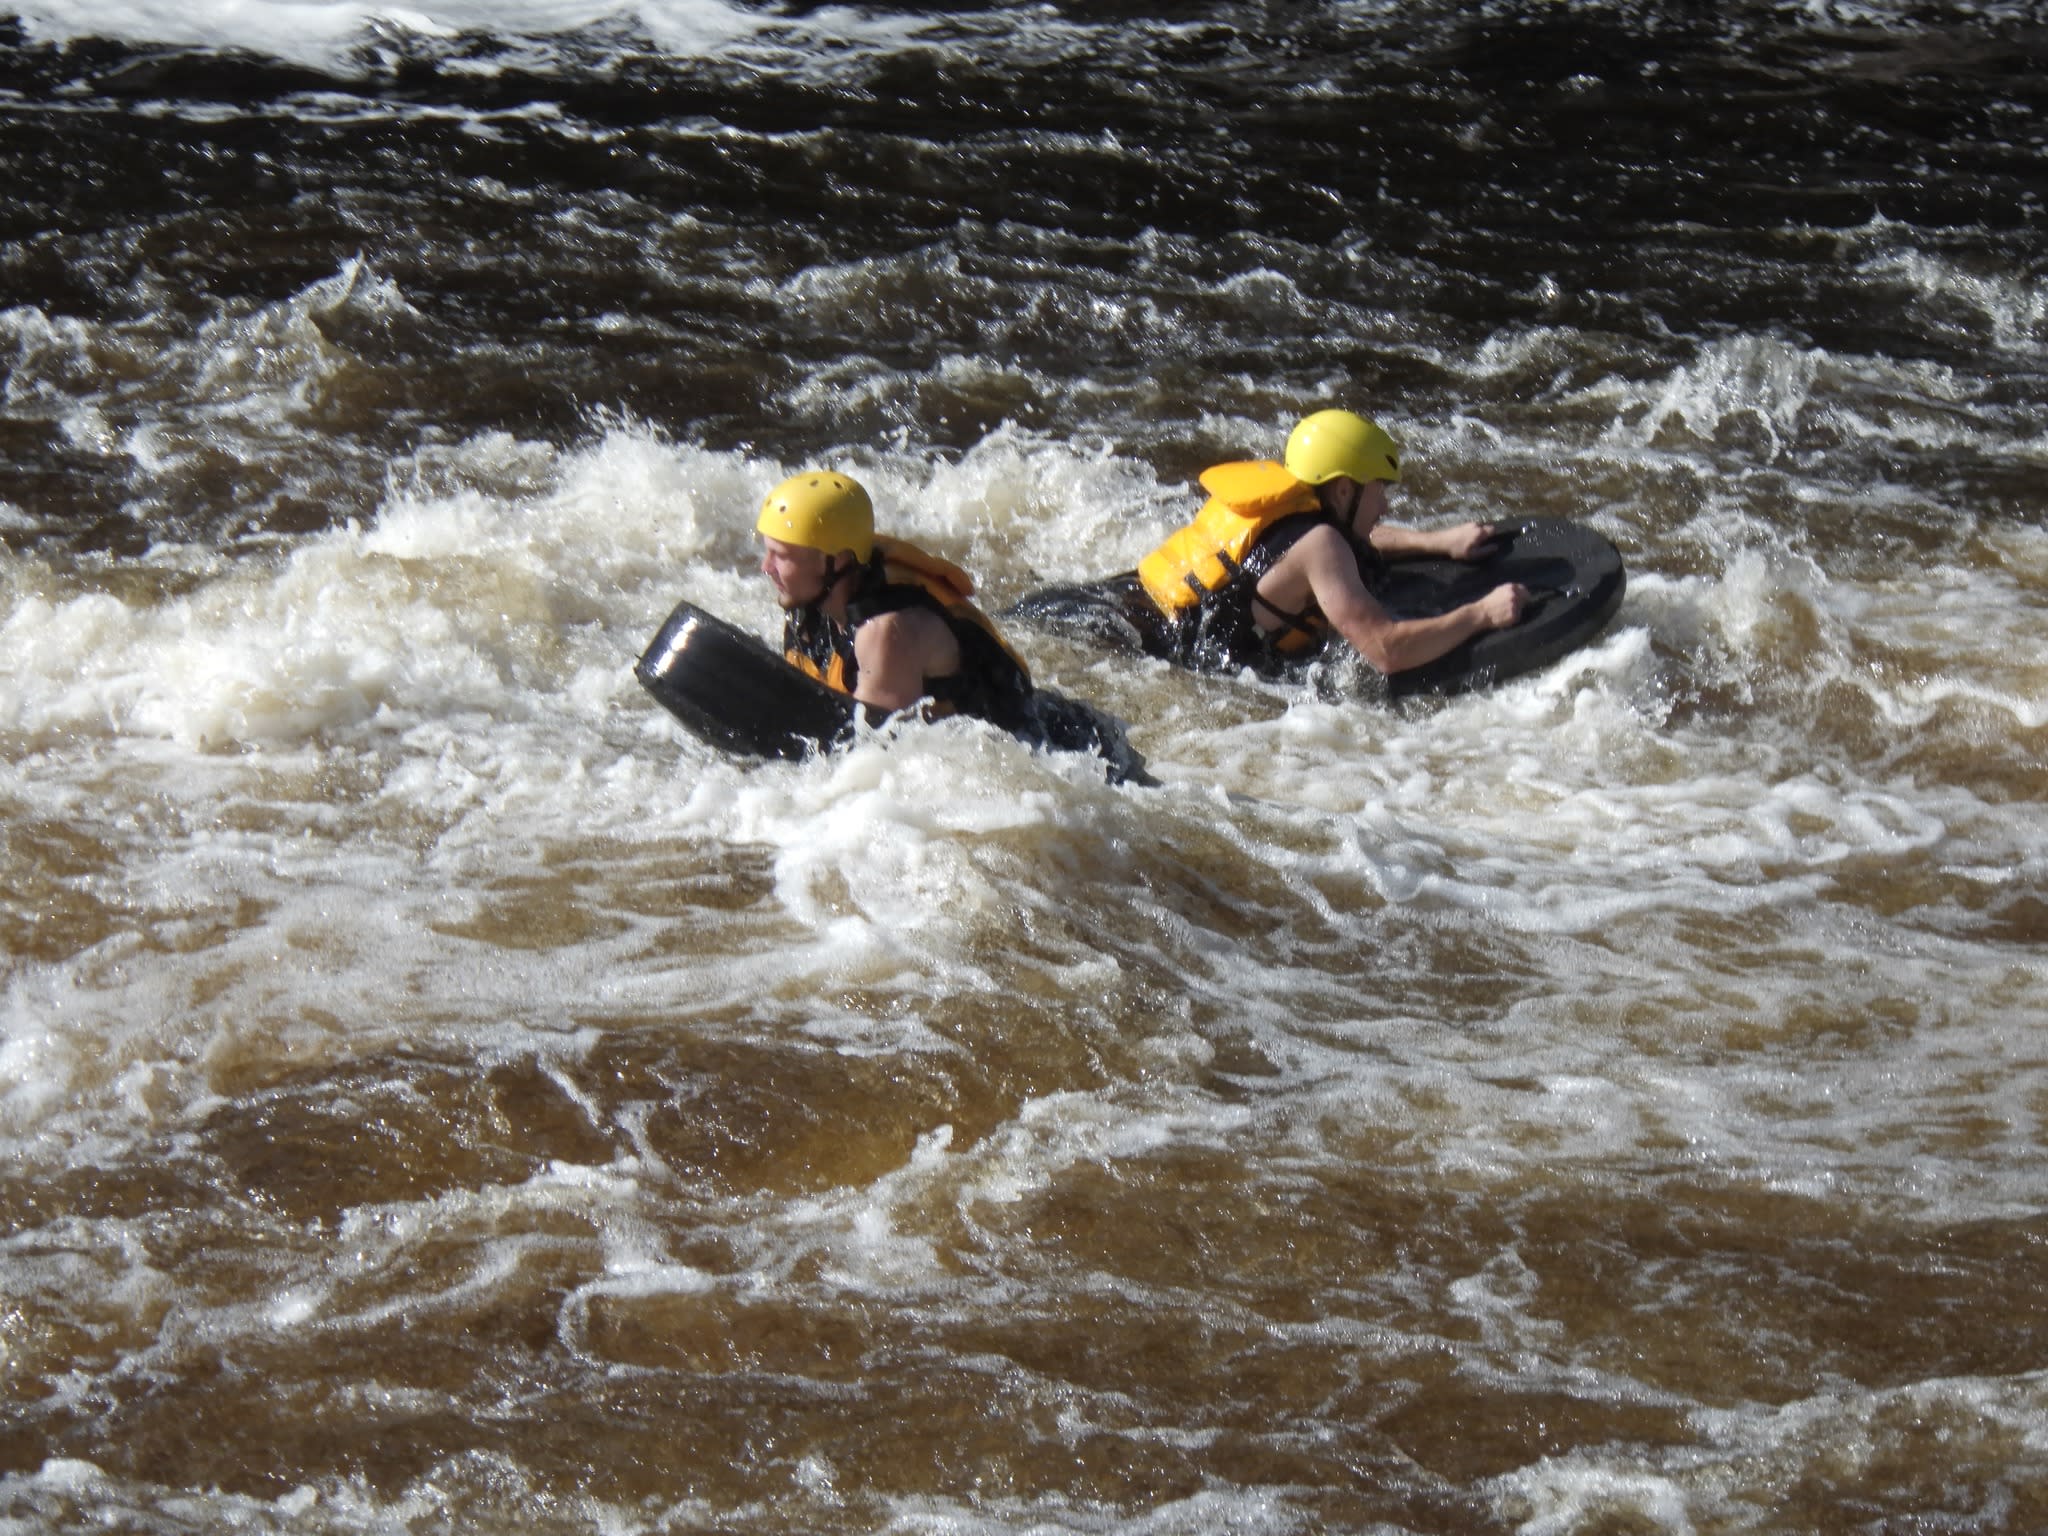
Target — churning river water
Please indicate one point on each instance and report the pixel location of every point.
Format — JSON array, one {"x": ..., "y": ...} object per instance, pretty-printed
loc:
[{"x": 440, "y": 1095}]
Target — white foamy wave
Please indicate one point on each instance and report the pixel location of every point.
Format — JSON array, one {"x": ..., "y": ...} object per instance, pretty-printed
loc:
[
  {"x": 2011, "y": 312},
  {"x": 1835, "y": 13},
  {"x": 1759, "y": 380},
  {"x": 323, "y": 34},
  {"x": 471, "y": 1489},
  {"x": 1022, "y": 510},
  {"x": 1989, "y": 1430},
  {"x": 1785, "y": 400},
  {"x": 243, "y": 390},
  {"x": 59, "y": 356},
  {"x": 326, "y": 643},
  {"x": 463, "y": 600},
  {"x": 348, "y": 36}
]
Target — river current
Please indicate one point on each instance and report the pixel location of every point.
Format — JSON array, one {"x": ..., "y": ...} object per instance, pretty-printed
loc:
[{"x": 440, "y": 1095}]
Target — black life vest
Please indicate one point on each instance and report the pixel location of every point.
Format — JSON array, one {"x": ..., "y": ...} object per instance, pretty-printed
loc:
[{"x": 992, "y": 683}]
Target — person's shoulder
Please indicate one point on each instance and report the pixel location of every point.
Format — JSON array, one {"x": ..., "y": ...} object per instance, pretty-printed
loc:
[
  {"x": 909, "y": 624},
  {"x": 1315, "y": 541}
]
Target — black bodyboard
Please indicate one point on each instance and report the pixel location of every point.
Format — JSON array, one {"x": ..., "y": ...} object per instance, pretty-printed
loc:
[
  {"x": 1575, "y": 579},
  {"x": 735, "y": 693}
]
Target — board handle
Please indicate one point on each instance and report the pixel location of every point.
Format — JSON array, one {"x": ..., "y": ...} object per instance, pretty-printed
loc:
[{"x": 1542, "y": 596}]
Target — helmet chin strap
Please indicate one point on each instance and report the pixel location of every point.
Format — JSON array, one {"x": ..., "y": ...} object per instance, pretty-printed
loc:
[
  {"x": 1360, "y": 489},
  {"x": 1347, "y": 519},
  {"x": 833, "y": 574}
]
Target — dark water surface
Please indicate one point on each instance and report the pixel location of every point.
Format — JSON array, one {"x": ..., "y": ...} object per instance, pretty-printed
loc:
[{"x": 440, "y": 1096}]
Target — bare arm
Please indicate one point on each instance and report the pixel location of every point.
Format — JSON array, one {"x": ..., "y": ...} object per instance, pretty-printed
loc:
[
  {"x": 1330, "y": 571},
  {"x": 1462, "y": 541},
  {"x": 896, "y": 652}
]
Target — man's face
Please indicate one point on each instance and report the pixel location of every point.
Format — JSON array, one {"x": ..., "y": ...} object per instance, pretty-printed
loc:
[{"x": 796, "y": 573}]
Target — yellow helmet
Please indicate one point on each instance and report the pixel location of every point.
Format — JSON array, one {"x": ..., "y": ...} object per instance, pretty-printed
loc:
[
  {"x": 820, "y": 510},
  {"x": 1332, "y": 443}
]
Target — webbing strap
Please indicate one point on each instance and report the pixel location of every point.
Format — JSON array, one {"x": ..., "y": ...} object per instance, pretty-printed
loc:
[{"x": 1297, "y": 622}]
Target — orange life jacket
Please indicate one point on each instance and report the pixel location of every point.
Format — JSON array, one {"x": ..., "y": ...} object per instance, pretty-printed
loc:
[{"x": 1200, "y": 560}]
